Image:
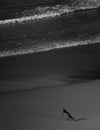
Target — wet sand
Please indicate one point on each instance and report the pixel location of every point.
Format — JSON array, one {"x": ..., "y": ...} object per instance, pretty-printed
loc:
[
  {"x": 42, "y": 108},
  {"x": 53, "y": 80},
  {"x": 53, "y": 68}
]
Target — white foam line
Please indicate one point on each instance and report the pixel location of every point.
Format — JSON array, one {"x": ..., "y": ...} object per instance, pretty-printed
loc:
[
  {"x": 46, "y": 13},
  {"x": 28, "y": 18},
  {"x": 50, "y": 46}
]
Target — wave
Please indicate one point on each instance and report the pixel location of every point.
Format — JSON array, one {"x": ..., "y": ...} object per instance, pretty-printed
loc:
[
  {"x": 30, "y": 46},
  {"x": 46, "y": 46},
  {"x": 51, "y": 11}
]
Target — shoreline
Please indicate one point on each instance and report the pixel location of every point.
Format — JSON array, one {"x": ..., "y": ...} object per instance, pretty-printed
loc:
[
  {"x": 72, "y": 82},
  {"x": 52, "y": 68}
]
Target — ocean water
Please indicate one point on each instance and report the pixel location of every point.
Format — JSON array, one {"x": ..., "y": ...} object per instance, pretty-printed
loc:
[
  {"x": 55, "y": 68},
  {"x": 47, "y": 27},
  {"x": 45, "y": 47},
  {"x": 61, "y": 40}
]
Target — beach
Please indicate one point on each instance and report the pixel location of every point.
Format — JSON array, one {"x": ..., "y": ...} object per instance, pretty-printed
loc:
[
  {"x": 51, "y": 68},
  {"x": 50, "y": 65},
  {"x": 42, "y": 108},
  {"x": 36, "y": 88}
]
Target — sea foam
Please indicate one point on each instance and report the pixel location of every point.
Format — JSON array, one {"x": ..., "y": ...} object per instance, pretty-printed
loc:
[
  {"x": 46, "y": 46},
  {"x": 51, "y": 11}
]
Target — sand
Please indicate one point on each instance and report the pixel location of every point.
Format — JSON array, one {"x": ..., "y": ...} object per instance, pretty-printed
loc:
[{"x": 41, "y": 108}]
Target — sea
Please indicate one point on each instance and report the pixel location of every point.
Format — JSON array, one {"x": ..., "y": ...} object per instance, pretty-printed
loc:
[{"x": 48, "y": 43}]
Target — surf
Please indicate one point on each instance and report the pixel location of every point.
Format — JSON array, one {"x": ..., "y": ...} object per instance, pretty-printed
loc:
[
  {"x": 47, "y": 46},
  {"x": 51, "y": 11}
]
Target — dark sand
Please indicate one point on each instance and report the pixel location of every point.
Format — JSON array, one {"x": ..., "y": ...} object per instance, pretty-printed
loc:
[{"x": 42, "y": 108}]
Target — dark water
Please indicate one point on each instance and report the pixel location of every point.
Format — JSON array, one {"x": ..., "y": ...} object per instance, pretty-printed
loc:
[
  {"x": 46, "y": 34},
  {"x": 60, "y": 50},
  {"x": 48, "y": 69},
  {"x": 57, "y": 67},
  {"x": 8, "y": 8}
]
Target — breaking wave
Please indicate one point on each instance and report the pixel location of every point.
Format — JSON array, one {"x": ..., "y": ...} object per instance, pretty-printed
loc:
[
  {"x": 45, "y": 46},
  {"x": 51, "y": 11},
  {"x": 27, "y": 46}
]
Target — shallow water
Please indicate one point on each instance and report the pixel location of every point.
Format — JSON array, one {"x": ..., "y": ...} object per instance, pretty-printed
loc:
[
  {"x": 10, "y": 9},
  {"x": 62, "y": 48},
  {"x": 50, "y": 33},
  {"x": 49, "y": 69}
]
